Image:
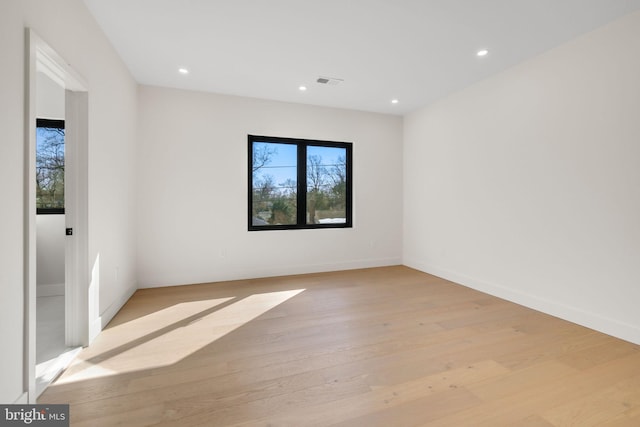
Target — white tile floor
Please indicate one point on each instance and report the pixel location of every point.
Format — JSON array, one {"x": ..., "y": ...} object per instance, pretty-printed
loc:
[
  {"x": 52, "y": 355},
  {"x": 49, "y": 328}
]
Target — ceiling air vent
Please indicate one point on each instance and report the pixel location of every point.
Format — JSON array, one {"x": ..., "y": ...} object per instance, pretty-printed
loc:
[{"x": 329, "y": 80}]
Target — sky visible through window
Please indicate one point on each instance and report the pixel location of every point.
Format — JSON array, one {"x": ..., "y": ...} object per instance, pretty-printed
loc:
[
  {"x": 282, "y": 165},
  {"x": 329, "y": 155}
]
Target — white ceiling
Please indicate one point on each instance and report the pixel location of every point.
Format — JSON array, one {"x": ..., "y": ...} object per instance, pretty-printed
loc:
[{"x": 414, "y": 50}]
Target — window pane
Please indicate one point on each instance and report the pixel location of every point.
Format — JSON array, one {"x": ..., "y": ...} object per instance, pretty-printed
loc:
[
  {"x": 49, "y": 168},
  {"x": 326, "y": 185},
  {"x": 274, "y": 184},
  {"x": 298, "y": 183}
]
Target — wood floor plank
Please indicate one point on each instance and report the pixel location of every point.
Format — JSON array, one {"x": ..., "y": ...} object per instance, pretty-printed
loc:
[
  {"x": 374, "y": 347},
  {"x": 415, "y": 412},
  {"x": 534, "y": 398},
  {"x": 595, "y": 409},
  {"x": 382, "y": 398}
]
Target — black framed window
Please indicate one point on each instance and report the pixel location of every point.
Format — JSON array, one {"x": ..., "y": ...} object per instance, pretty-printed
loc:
[
  {"x": 299, "y": 183},
  {"x": 49, "y": 166}
]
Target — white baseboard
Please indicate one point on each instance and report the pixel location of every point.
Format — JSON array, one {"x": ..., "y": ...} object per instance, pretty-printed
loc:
[
  {"x": 576, "y": 315},
  {"x": 115, "y": 306},
  {"x": 23, "y": 399},
  {"x": 50, "y": 290},
  {"x": 322, "y": 268},
  {"x": 95, "y": 327},
  {"x": 255, "y": 273}
]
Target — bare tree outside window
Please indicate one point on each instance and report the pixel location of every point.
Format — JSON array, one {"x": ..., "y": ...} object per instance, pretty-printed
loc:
[
  {"x": 326, "y": 185},
  {"x": 50, "y": 166},
  {"x": 274, "y": 184}
]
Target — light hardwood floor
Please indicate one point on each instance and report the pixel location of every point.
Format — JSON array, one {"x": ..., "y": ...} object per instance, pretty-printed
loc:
[{"x": 374, "y": 347}]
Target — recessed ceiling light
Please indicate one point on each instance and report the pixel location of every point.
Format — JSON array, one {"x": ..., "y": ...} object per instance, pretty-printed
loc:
[
  {"x": 394, "y": 101},
  {"x": 183, "y": 71},
  {"x": 482, "y": 52},
  {"x": 302, "y": 88}
]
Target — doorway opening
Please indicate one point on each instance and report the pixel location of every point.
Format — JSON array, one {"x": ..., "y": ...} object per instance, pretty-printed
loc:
[
  {"x": 50, "y": 223},
  {"x": 56, "y": 215}
]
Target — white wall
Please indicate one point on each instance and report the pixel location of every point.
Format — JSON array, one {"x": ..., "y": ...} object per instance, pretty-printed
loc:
[
  {"x": 526, "y": 185},
  {"x": 50, "y": 254},
  {"x": 67, "y": 26},
  {"x": 192, "y": 178}
]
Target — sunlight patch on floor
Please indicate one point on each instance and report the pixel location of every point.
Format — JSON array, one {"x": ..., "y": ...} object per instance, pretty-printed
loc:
[
  {"x": 143, "y": 326},
  {"x": 169, "y": 347}
]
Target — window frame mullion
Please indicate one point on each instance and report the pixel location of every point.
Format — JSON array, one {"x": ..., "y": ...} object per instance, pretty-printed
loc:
[{"x": 301, "y": 218}]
